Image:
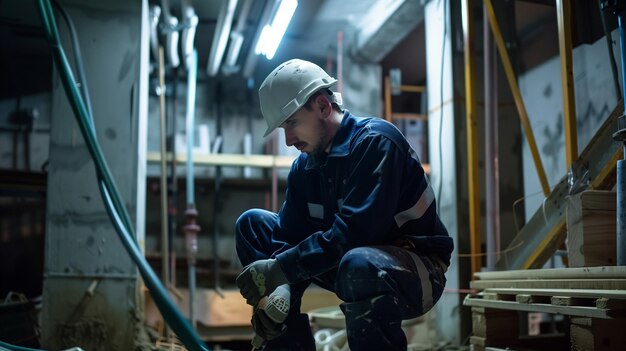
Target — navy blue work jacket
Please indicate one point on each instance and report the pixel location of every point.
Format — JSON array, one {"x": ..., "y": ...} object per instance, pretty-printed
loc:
[{"x": 369, "y": 190}]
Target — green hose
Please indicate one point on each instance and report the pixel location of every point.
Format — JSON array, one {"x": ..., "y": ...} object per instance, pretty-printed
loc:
[
  {"x": 4, "y": 345},
  {"x": 110, "y": 193}
]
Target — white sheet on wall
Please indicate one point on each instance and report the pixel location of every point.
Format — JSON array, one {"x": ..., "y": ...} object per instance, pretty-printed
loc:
[{"x": 543, "y": 97}]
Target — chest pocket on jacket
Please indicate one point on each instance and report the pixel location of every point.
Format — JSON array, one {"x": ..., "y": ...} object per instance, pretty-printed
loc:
[{"x": 316, "y": 211}]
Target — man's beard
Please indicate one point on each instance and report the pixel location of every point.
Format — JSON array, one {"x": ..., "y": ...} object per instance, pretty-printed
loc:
[{"x": 319, "y": 152}]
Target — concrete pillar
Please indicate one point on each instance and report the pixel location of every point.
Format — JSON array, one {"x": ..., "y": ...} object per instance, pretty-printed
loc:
[{"x": 91, "y": 295}]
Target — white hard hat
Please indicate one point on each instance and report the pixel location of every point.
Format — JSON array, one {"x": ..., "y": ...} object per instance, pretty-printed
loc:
[{"x": 288, "y": 88}]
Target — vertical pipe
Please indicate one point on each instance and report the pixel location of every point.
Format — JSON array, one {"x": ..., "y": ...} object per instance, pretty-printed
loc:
[
  {"x": 216, "y": 200},
  {"x": 172, "y": 191},
  {"x": 472, "y": 140},
  {"x": 567, "y": 81},
  {"x": 622, "y": 40},
  {"x": 621, "y": 212},
  {"x": 621, "y": 164},
  {"x": 387, "y": 93},
  {"x": 191, "y": 229},
  {"x": 340, "y": 62},
  {"x": 247, "y": 138},
  {"x": 491, "y": 148},
  {"x": 190, "y": 125},
  {"x": 164, "y": 240},
  {"x": 274, "y": 174}
]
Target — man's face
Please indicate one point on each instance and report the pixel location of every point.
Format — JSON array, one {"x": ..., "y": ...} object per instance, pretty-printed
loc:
[{"x": 306, "y": 131}]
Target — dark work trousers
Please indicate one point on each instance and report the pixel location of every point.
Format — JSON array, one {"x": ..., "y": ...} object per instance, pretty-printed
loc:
[{"x": 380, "y": 287}]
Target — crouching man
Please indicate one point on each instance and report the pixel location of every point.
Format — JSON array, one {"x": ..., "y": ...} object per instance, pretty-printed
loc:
[{"x": 359, "y": 219}]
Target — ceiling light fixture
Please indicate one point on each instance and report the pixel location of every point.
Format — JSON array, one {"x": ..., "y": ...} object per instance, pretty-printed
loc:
[
  {"x": 220, "y": 37},
  {"x": 272, "y": 33}
]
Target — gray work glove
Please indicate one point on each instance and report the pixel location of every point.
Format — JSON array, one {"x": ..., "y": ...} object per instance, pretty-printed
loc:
[
  {"x": 259, "y": 279},
  {"x": 265, "y": 328}
]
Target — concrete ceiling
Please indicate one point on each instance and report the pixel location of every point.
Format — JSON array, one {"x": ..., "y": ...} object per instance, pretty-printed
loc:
[{"x": 373, "y": 30}]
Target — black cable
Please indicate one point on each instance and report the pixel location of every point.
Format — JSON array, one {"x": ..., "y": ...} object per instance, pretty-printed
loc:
[
  {"x": 609, "y": 46},
  {"x": 78, "y": 58}
]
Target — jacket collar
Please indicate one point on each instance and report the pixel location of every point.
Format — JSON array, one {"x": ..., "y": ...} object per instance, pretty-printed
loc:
[{"x": 341, "y": 142}]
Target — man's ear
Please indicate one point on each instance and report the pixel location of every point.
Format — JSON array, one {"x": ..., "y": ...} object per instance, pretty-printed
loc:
[{"x": 323, "y": 105}]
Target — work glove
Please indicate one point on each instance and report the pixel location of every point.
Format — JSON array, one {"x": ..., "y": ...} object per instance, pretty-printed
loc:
[
  {"x": 269, "y": 315},
  {"x": 259, "y": 279},
  {"x": 265, "y": 328}
]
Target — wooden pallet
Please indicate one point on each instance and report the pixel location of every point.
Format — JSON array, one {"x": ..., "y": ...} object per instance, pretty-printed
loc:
[
  {"x": 591, "y": 299},
  {"x": 605, "y": 304},
  {"x": 605, "y": 277}
]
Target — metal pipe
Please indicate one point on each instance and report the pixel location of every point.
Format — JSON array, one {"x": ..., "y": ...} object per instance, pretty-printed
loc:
[
  {"x": 274, "y": 174},
  {"x": 172, "y": 189},
  {"x": 164, "y": 240},
  {"x": 620, "y": 136},
  {"x": 622, "y": 40},
  {"x": 247, "y": 138},
  {"x": 191, "y": 229},
  {"x": 190, "y": 124},
  {"x": 340, "y": 62},
  {"x": 621, "y": 213},
  {"x": 567, "y": 81},
  {"x": 492, "y": 181},
  {"x": 472, "y": 139},
  {"x": 216, "y": 200}
]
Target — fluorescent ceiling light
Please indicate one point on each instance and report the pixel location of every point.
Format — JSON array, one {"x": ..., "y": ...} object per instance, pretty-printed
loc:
[
  {"x": 220, "y": 37},
  {"x": 272, "y": 33}
]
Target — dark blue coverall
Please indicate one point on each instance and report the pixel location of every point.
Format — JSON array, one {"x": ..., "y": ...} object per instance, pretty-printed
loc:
[{"x": 360, "y": 222}]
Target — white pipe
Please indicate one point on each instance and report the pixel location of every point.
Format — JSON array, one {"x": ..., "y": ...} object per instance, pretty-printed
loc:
[{"x": 190, "y": 122}]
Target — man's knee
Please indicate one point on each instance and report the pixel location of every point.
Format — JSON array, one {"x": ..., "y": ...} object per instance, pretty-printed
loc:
[
  {"x": 356, "y": 269},
  {"x": 248, "y": 221}
]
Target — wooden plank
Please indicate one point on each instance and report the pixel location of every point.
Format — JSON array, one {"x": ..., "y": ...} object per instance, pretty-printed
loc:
[
  {"x": 572, "y": 301},
  {"x": 527, "y": 298},
  {"x": 550, "y": 284},
  {"x": 610, "y": 304},
  {"x": 489, "y": 296},
  {"x": 604, "y": 272},
  {"x": 228, "y": 160},
  {"x": 596, "y": 334},
  {"x": 495, "y": 325},
  {"x": 599, "y": 200},
  {"x": 591, "y": 312},
  {"x": 593, "y": 293},
  {"x": 591, "y": 228},
  {"x": 413, "y": 88},
  {"x": 477, "y": 341}
]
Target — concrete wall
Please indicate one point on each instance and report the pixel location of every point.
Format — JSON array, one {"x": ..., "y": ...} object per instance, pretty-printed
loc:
[
  {"x": 92, "y": 296},
  {"x": 443, "y": 112},
  {"x": 541, "y": 90}
]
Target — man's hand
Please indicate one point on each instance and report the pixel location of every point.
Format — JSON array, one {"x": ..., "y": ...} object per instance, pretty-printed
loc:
[
  {"x": 259, "y": 279},
  {"x": 265, "y": 328}
]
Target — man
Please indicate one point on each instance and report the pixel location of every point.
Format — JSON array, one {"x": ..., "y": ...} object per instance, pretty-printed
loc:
[{"x": 359, "y": 219}]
